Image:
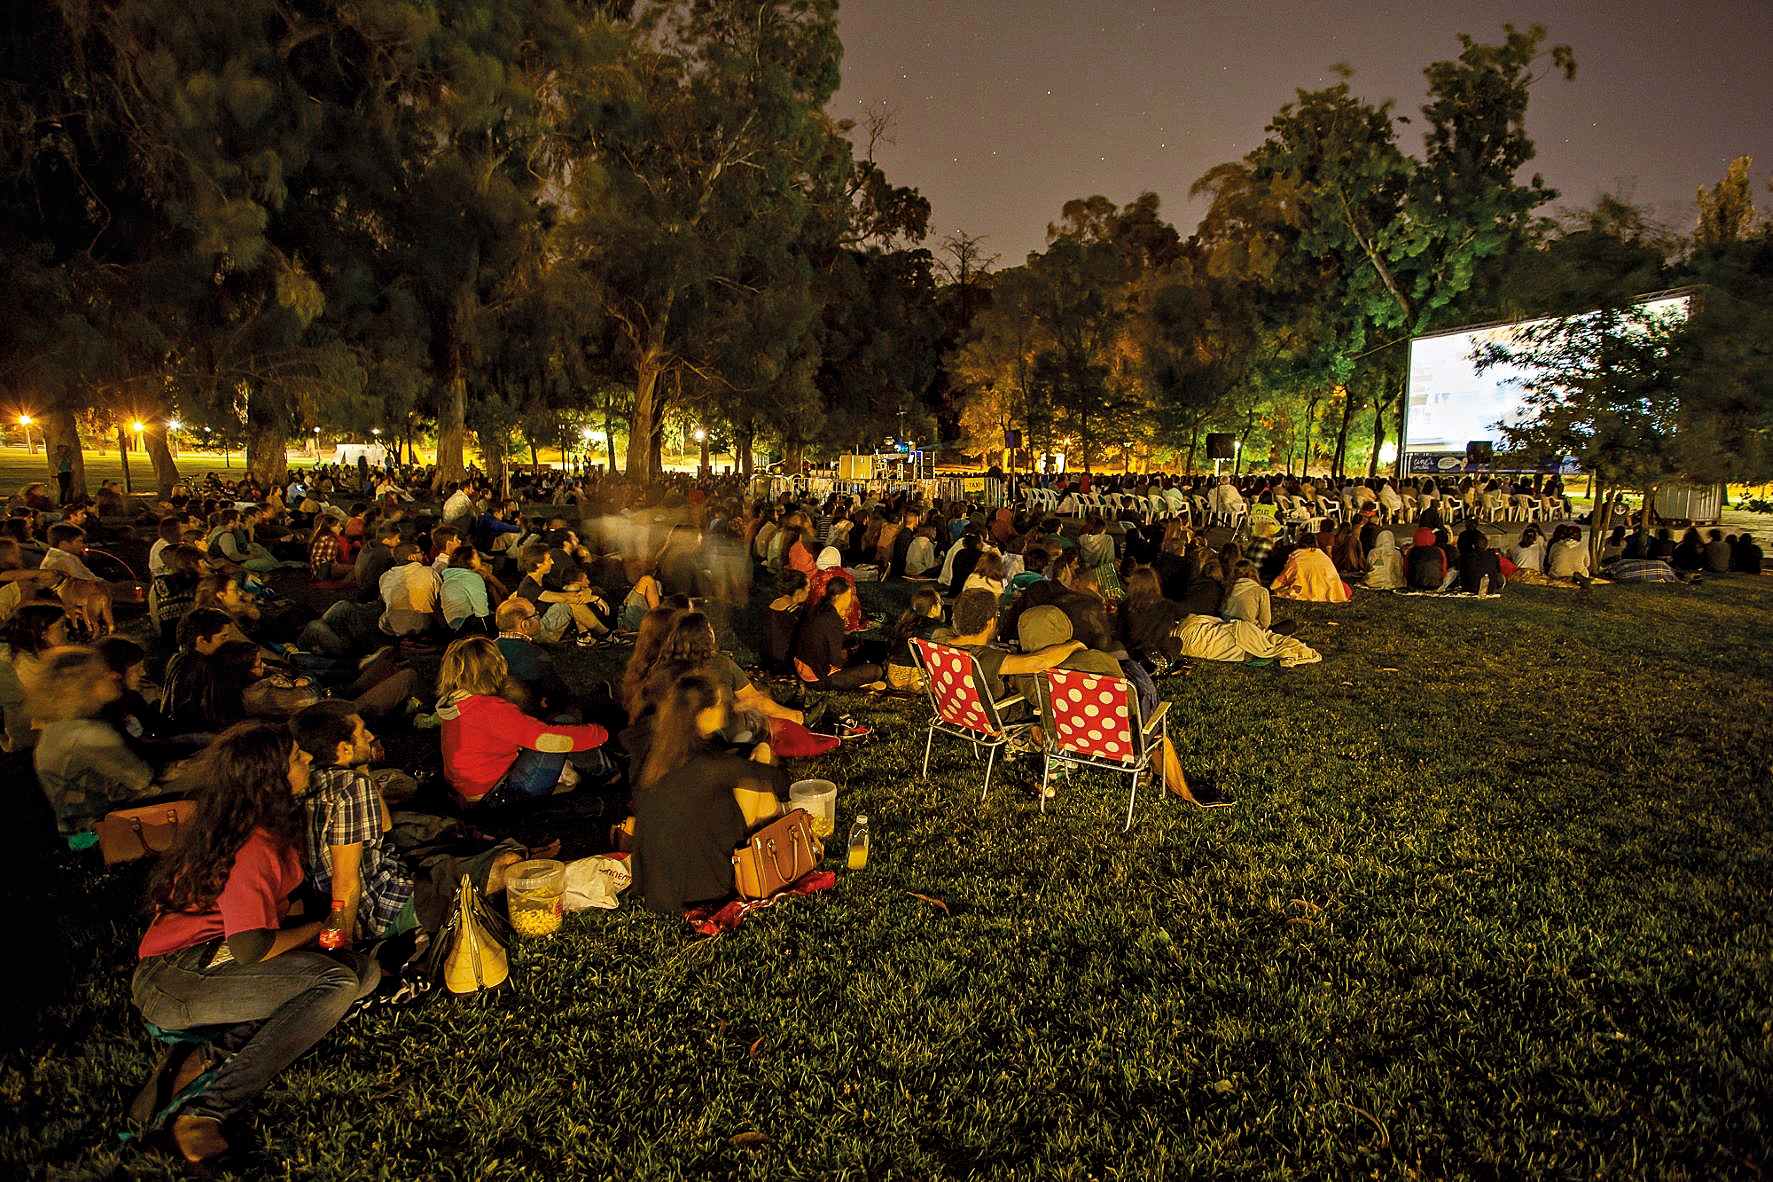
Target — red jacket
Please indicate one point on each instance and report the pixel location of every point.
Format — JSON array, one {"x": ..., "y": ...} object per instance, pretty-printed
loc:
[{"x": 482, "y": 735}]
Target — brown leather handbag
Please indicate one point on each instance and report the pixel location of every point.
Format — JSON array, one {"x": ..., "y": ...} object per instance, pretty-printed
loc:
[
  {"x": 776, "y": 856},
  {"x": 127, "y": 834}
]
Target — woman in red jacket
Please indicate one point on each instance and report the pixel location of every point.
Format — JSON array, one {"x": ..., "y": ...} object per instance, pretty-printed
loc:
[{"x": 493, "y": 753}]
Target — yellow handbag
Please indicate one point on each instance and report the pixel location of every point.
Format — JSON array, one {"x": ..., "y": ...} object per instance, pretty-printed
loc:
[{"x": 477, "y": 958}]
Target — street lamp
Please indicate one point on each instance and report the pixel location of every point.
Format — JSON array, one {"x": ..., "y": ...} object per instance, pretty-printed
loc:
[
  {"x": 138, "y": 427},
  {"x": 25, "y": 422},
  {"x": 701, "y": 435},
  {"x": 173, "y": 424}
]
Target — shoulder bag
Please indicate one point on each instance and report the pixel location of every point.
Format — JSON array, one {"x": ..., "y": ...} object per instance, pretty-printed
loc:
[{"x": 777, "y": 855}]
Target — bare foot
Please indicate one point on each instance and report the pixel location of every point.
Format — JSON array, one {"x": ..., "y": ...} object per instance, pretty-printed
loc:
[{"x": 495, "y": 878}]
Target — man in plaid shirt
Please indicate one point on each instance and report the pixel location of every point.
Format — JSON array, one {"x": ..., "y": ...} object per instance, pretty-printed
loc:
[{"x": 351, "y": 853}]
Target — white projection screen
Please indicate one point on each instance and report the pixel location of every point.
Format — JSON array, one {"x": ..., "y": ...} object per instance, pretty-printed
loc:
[{"x": 1452, "y": 404}]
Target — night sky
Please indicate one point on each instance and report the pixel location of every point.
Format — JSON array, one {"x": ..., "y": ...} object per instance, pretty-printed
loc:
[{"x": 1007, "y": 108}]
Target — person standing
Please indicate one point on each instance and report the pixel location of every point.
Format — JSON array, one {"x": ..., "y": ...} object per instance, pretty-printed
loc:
[{"x": 64, "y": 472}]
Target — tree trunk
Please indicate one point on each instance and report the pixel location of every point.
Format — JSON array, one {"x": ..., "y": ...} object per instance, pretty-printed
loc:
[
  {"x": 1649, "y": 507},
  {"x": 59, "y": 431},
  {"x": 1193, "y": 442},
  {"x": 1600, "y": 520},
  {"x": 452, "y": 430},
  {"x": 743, "y": 437},
  {"x": 1305, "y": 458},
  {"x": 793, "y": 456},
  {"x": 166, "y": 469},
  {"x": 493, "y": 449},
  {"x": 643, "y": 427},
  {"x": 123, "y": 458},
  {"x": 1341, "y": 459},
  {"x": 1237, "y": 461},
  {"x": 1378, "y": 434},
  {"x": 267, "y": 439}
]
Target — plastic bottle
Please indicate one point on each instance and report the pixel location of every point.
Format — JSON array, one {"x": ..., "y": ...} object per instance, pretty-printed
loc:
[
  {"x": 859, "y": 844},
  {"x": 332, "y": 936}
]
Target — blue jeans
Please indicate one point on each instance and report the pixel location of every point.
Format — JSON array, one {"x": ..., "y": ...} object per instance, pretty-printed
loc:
[
  {"x": 533, "y": 774},
  {"x": 273, "y": 1010}
]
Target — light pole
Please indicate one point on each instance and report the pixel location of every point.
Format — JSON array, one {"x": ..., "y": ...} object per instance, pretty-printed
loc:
[
  {"x": 172, "y": 426},
  {"x": 702, "y": 440},
  {"x": 30, "y": 447}
]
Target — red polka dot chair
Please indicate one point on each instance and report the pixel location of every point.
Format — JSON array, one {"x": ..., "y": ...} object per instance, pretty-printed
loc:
[
  {"x": 1092, "y": 720},
  {"x": 962, "y": 705}
]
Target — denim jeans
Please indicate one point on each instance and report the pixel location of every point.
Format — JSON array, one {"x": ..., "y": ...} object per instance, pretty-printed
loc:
[
  {"x": 532, "y": 774},
  {"x": 557, "y": 621},
  {"x": 274, "y": 1010}
]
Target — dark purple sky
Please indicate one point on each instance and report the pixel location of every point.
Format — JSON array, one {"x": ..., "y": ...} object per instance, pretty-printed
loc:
[{"x": 1007, "y": 108}]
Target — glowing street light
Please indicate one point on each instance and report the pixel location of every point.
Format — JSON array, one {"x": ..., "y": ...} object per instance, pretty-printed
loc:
[
  {"x": 137, "y": 426},
  {"x": 25, "y": 422},
  {"x": 173, "y": 424},
  {"x": 585, "y": 434}
]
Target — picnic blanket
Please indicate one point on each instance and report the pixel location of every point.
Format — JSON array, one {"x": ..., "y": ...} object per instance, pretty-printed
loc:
[{"x": 713, "y": 920}]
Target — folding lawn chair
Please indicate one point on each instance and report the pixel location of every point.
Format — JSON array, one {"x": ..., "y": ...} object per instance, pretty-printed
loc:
[
  {"x": 1092, "y": 720},
  {"x": 961, "y": 705}
]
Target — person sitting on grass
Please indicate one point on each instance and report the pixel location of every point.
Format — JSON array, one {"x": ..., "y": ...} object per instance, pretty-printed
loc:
[
  {"x": 695, "y": 800},
  {"x": 1310, "y": 575},
  {"x": 374, "y": 560},
  {"x": 919, "y": 621},
  {"x": 562, "y": 611},
  {"x": 529, "y": 665},
  {"x": 463, "y": 594},
  {"x": 1427, "y": 563},
  {"x": 1716, "y": 554},
  {"x": 642, "y": 597},
  {"x": 1480, "y": 568},
  {"x": 1567, "y": 556},
  {"x": 410, "y": 591},
  {"x": 782, "y": 621},
  {"x": 353, "y": 853},
  {"x": 1745, "y": 555},
  {"x": 325, "y": 562},
  {"x": 67, "y": 544},
  {"x": 1247, "y": 599},
  {"x": 493, "y": 753},
  {"x": 823, "y": 655},
  {"x": 83, "y": 764},
  {"x": 218, "y": 956},
  {"x": 186, "y": 698},
  {"x": 1385, "y": 564},
  {"x": 1148, "y": 620}
]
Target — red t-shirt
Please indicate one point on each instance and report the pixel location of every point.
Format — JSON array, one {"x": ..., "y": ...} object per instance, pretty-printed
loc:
[
  {"x": 482, "y": 735},
  {"x": 255, "y": 897}
]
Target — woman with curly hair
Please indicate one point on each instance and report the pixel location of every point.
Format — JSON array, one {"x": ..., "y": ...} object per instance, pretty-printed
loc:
[{"x": 219, "y": 951}]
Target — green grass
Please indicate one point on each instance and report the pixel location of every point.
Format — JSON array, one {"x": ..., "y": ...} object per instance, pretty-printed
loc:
[
  {"x": 1493, "y": 903},
  {"x": 19, "y": 467}
]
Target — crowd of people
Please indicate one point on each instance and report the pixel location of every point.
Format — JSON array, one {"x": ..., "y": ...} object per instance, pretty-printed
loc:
[{"x": 284, "y": 632}]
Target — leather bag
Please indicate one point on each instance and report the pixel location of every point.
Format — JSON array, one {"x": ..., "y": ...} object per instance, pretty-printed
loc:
[
  {"x": 777, "y": 856},
  {"x": 127, "y": 834}
]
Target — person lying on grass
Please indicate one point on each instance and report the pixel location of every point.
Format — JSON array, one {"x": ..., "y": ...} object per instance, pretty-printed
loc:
[
  {"x": 695, "y": 799},
  {"x": 1311, "y": 575},
  {"x": 493, "y": 753},
  {"x": 359, "y": 854},
  {"x": 218, "y": 956}
]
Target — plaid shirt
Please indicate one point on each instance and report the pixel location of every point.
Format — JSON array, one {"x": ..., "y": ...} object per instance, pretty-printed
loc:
[
  {"x": 344, "y": 808},
  {"x": 1256, "y": 549}
]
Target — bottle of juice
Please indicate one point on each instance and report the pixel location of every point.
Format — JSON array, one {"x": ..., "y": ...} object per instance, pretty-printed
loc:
[
  {"x": 332, "y": 936},
  {"x": 859, "y": 844}
]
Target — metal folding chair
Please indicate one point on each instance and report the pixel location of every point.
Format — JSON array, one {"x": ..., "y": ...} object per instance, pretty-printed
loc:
[
  {"x": 961, "y": 705},
  {"x": 1092, "y": 720}
]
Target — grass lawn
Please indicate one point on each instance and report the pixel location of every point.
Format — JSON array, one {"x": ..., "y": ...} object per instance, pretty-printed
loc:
[{"x": 1493, "y": 903}]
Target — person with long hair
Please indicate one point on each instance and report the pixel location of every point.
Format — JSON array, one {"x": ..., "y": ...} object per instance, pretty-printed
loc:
[
  {"x": 493, "y": 753},
  {"x": 218, "y": 953},
  {"x": 35, "y": 629},
  {"x": 694, "y": 800},
  {"x": 919, "y": 621},
  {"x": 781, "y": 622},
  {"x": 1148, "y": 618},
  {"x": 649, "y": 641},
  {"x": 822, "y": 654}
]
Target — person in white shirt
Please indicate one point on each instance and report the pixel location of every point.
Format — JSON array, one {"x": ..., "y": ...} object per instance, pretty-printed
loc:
[
  {"x": 410, "y": 592},
  {"x": 1226, "y": 501},
  {"x": 1175, "y": 498},
  {"x": 66, "y": 544},
  {"x": 1529, "y": 552},
  {"x": 1390, "y": 501},
  {"x": 459, "y": 505},
  {"x": 170, "y": 531},
  {"x": 1568, "y": 556}
]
